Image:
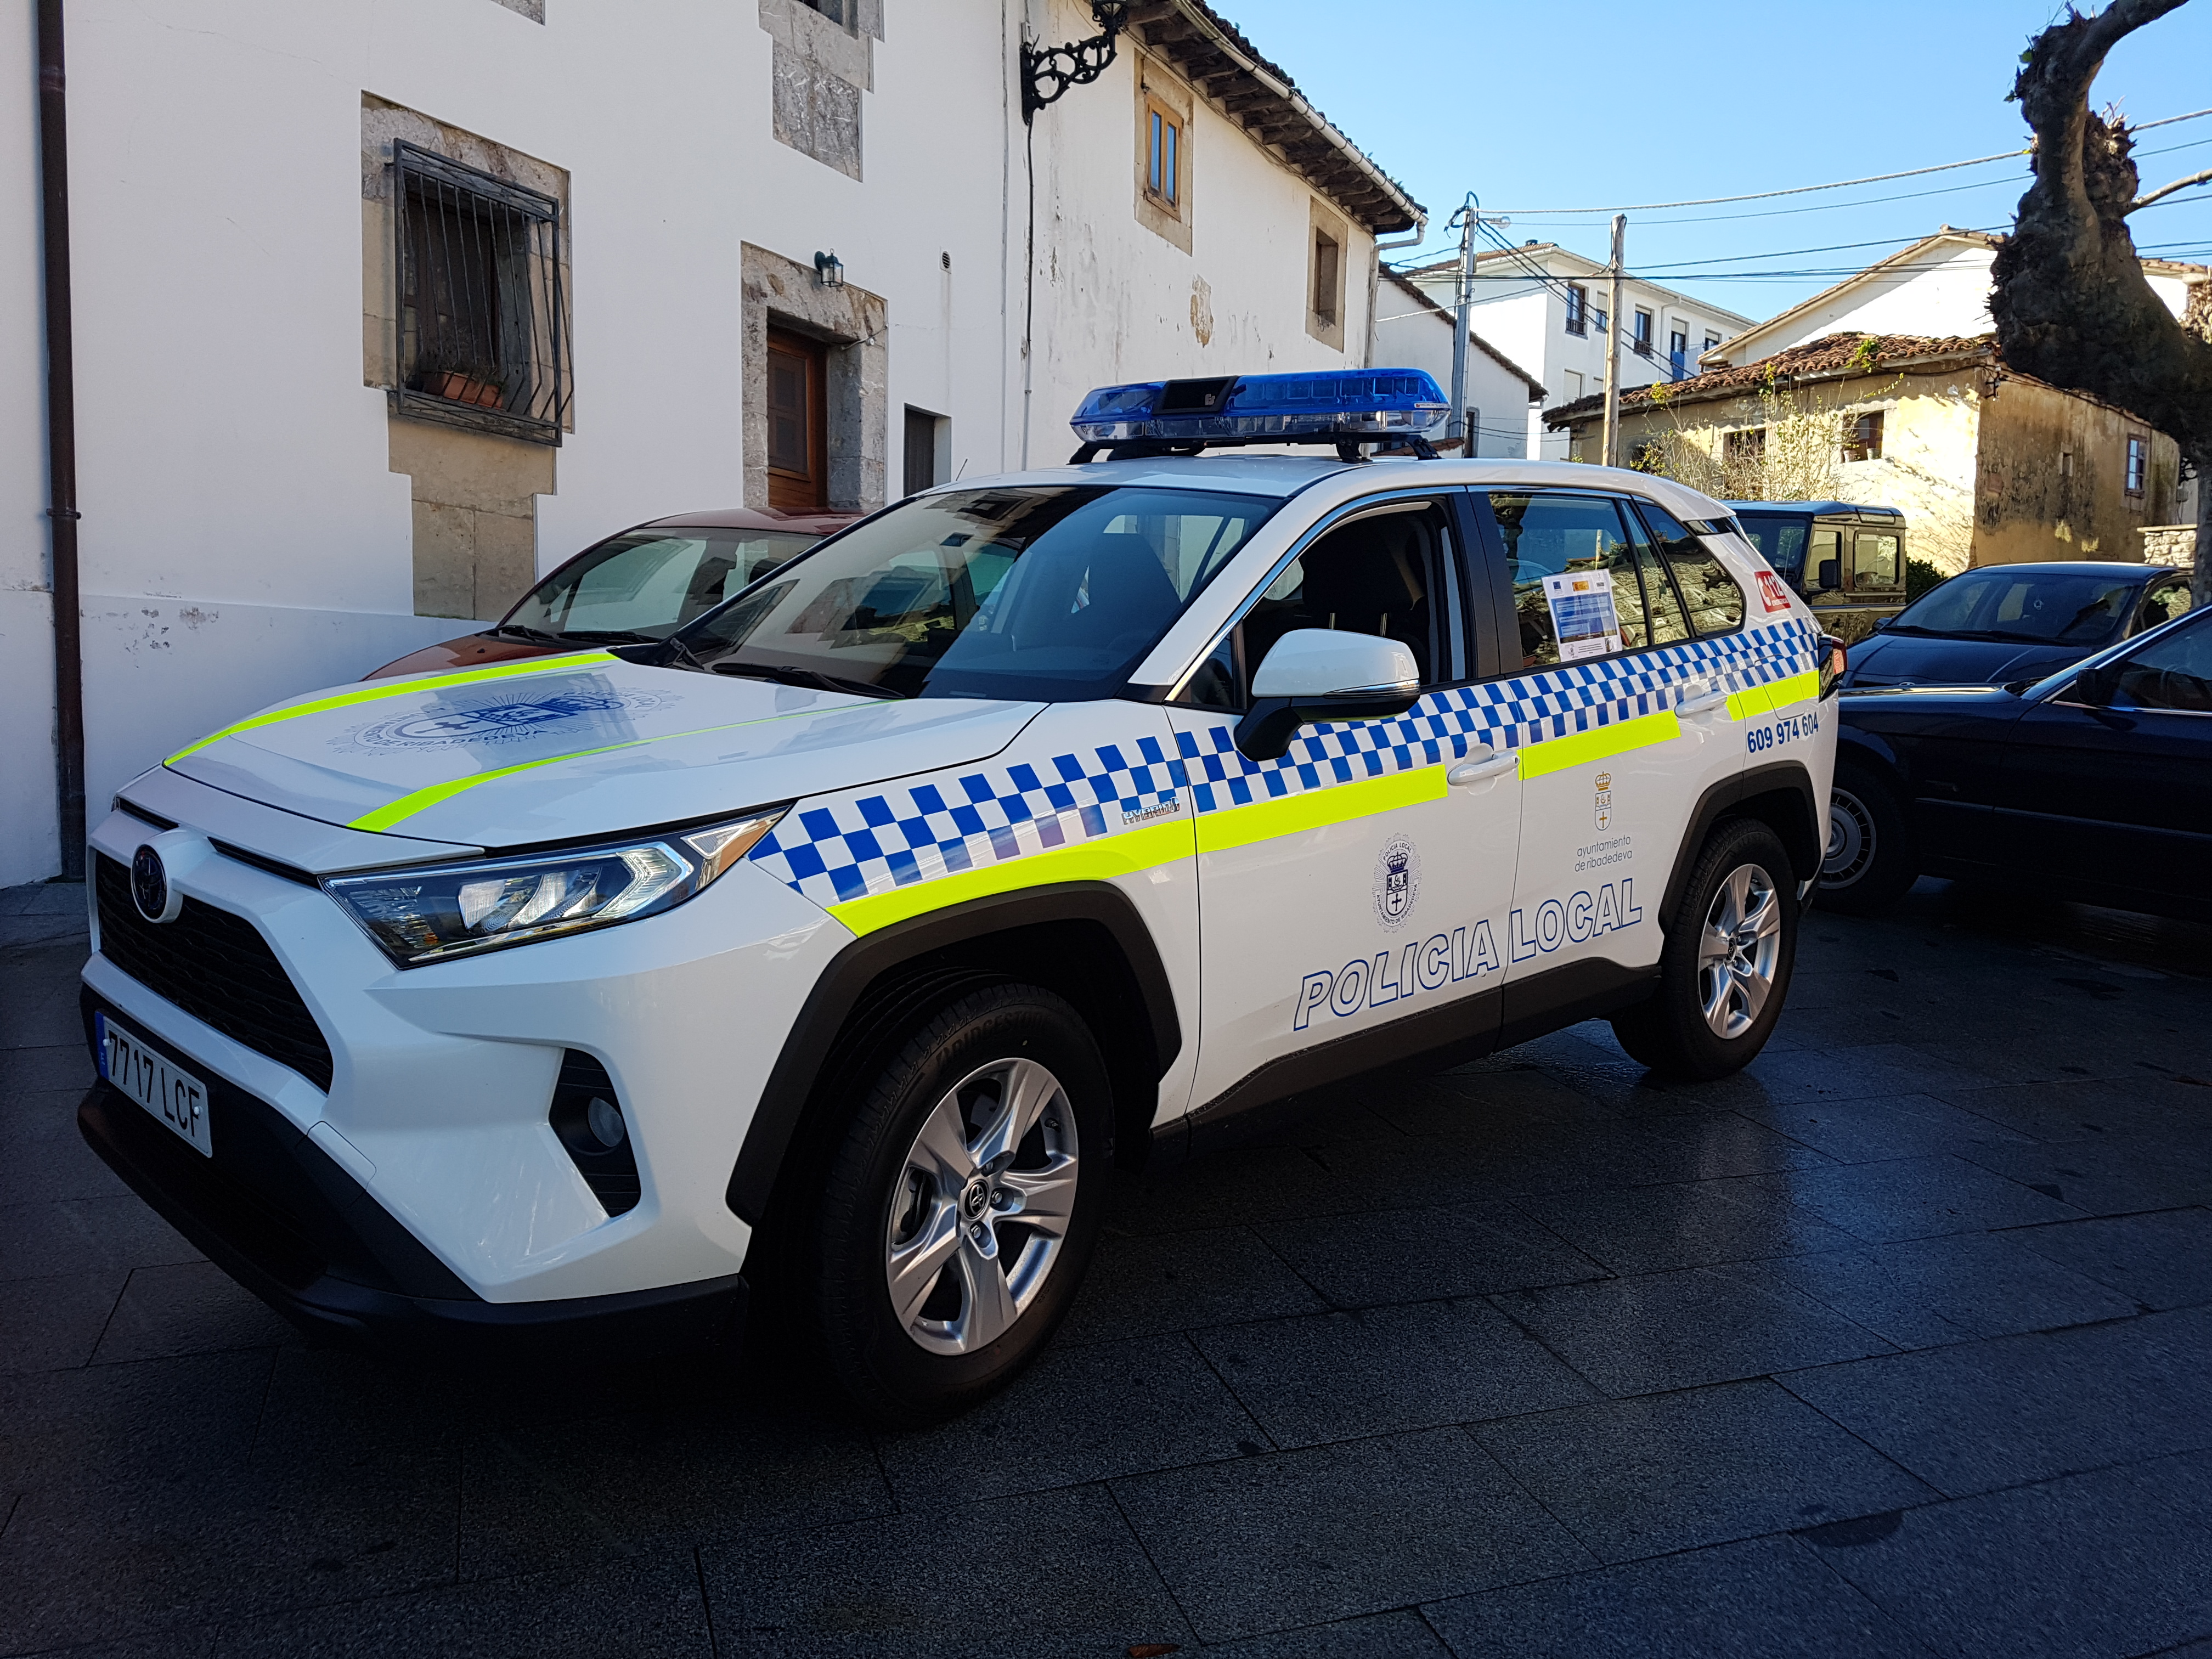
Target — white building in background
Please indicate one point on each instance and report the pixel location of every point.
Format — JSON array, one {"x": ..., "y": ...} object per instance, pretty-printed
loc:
[
  {"x": 1937, "y": 289},
  {"x": 1411, "y": 331},
  {"x": 384, "y": 306},
  {"x": 1544, "y": 308}
]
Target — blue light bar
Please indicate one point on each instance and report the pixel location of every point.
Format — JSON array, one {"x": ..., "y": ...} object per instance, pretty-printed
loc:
[{"x": 1260, "y": 406}]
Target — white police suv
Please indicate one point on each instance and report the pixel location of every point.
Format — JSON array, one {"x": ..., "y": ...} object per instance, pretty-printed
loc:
[{"x": 839, "y": 947}]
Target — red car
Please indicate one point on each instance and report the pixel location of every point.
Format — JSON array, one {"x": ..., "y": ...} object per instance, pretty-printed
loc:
[{"x": 642, "y": 585}]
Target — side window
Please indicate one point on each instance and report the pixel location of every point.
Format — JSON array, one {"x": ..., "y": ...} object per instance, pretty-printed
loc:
[
  {"x": 1709, "y": 592},
  {"x": 1559, "y": 535},
  {"x": 2173, "y": 672},
  {"x": 1824, "y": 565},
  {"x": 1873, "y": 563},
  {"x": 1386, "y": 572},
  {"x": 2165, "y": 600},
  {"x": 1667, "y": 622}
]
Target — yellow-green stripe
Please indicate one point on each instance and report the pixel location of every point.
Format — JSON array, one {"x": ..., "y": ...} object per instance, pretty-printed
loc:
[
  {"x": 398, "y": 688},
  {"x": 421, "y": 799},
  {"x": 1600, "y": 743},
  {"x": 1798, "y": 687},
  {"x": 1128, "y": 854},
  {"x": 1265, "y": 820}
]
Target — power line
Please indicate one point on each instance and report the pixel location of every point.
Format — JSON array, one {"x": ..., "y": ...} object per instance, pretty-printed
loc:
[{"x": 1840, "y": 184}]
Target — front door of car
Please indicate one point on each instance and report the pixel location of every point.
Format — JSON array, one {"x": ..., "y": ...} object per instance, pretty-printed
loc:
[
  {"x": 2119, "y": 795},
  {"x": 1357, "y": 882},
  {"x": 1626, "y": 724}
]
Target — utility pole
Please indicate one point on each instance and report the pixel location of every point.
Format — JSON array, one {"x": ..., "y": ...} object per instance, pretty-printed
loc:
[
  {"x": 1612, "y": 456},
  {"x": 1462, "y": 294}
]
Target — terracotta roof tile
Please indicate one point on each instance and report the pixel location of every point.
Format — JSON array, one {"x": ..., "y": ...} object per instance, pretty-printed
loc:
[{"x": 1827, "y": 358}]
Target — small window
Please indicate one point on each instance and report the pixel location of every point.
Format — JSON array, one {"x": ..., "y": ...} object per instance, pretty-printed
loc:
[
  {"x": 1574, "y": 383},
  {"x": 1640, "y": 336},
  {"x": 2138, "y": 464},
  {"x": 1678, "y": 353},
  {"x": 1745, "y": 446},
  {"x": 1711, "y": 339},
  {"x": 483, "y": 313},
  {"x": 1709, "y": 592},
  {"x": 1163, "y": 179},
  {"x": 1327, "y": 271},
  {"x": 1578, "y": 309},
  {"x": 1862, "y": 437}
]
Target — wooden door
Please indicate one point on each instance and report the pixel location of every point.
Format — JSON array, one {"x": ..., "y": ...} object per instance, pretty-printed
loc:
[{"x": 798, "y": 451}]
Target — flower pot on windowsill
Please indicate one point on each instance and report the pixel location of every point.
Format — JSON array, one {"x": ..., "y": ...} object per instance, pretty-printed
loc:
[{"x": 455, "y": 386}]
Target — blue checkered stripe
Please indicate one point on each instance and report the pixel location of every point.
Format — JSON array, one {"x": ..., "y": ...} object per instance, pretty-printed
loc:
[
  {"x": 1505, "y": 714},
  {"x": 848, "y": 847},
  {"x": 842, "y": 848}
]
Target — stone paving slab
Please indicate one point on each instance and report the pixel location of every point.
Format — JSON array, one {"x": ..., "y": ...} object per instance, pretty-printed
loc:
[{"x": 1893, "y": 1345}]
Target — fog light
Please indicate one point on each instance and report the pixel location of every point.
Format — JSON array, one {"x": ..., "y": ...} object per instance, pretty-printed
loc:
[
  {"x": 586, "y": 1115},
  {"x": 606, "y": 1121}
]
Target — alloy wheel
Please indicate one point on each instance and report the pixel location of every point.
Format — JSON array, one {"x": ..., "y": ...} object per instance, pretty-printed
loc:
[
  {"x": 1739, "y": 949},
  {"x": 981, "y": 1207}
]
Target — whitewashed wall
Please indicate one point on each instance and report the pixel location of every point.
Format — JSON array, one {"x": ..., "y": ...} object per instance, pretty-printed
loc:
[{"x": 1409, "y": 334}]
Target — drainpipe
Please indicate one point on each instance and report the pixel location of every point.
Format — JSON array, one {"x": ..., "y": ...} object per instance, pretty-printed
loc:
[
  {"x": 1374, "y": 277},
  {"x": 61, "y": 440}
]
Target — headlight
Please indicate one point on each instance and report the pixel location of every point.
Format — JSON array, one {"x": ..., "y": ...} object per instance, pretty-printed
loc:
[{"x": 456, "y": 909}]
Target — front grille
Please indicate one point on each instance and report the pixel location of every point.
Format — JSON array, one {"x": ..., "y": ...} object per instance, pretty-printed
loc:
[{"x": 217, "y": 968}]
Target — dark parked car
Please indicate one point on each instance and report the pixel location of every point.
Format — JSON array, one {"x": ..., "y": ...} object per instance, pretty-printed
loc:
[
  {"x": 2092, "y": 784},
  {"x": 642, "y": 585},
  {"x": 1847, "y": 559},
  {"x": 2004, "y": 622}
]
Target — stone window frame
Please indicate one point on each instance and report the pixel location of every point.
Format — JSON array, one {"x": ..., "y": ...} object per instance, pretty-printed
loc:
[
  {"x": 1323, "y": 223},
  {"x": 1158, "y": 88}
]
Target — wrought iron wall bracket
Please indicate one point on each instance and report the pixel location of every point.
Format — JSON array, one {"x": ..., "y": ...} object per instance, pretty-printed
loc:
[{"x": 1049, "y": 71}]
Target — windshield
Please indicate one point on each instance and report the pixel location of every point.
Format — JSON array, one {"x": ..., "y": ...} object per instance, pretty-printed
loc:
[
  {"x": 1053, "y": 593},
  {"x": 1780, "y": 542},
  {"x": 648, "y": 583},
  {"x": 2040, "y": 607}
]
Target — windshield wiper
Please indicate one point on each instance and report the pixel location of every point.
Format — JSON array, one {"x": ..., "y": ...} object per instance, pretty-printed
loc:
[
  {"x": 783, "y": 674},
  {"x": 535, "y": 635},
  {"x": 609, "y": 636}
]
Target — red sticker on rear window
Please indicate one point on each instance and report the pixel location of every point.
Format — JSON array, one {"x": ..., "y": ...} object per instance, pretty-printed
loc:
[{"x": 1771, "y": 592}]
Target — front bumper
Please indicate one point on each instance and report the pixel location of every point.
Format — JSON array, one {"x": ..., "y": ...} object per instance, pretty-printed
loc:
[{"x": 278, "y": 1214}]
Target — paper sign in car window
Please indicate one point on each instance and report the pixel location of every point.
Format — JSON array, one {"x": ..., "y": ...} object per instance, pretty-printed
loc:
[{"x": 1583, "y": 615}]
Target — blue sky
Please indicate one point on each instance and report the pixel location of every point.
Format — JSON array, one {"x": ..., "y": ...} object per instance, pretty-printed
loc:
[{"x": 1585, "y": 103}]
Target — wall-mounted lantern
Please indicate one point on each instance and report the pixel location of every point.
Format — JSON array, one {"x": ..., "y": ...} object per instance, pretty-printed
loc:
[{"x": 829, "y": 271}]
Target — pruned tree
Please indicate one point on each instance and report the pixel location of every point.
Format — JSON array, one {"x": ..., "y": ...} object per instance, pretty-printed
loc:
[{"x": 2072, "y": 306}]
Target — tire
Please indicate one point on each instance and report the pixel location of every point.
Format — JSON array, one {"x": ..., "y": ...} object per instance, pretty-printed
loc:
[
  {"x": 929, "y": 1290},
  {"x": 1725, "y": 967},
  {"x": 1871, "y": 858}
]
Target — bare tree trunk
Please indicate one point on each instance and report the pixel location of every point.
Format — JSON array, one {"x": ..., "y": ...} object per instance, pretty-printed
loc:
[
  {"x": 2071, "y": 303},
  {"x": 2200, "y": 577}
]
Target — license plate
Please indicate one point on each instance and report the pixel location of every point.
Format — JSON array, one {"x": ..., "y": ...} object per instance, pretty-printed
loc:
[{"x": 171, "y": 1094}]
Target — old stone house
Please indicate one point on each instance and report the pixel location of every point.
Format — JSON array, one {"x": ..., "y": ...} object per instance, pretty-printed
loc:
[{"x": 1989, "y": 465}]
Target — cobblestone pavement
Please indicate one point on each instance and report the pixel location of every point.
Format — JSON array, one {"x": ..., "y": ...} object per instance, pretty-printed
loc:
[{"x": 1895, "y": 1344}]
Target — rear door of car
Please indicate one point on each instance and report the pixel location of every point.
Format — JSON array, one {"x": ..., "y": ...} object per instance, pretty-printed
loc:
[{"x": 1620, "y": 734}]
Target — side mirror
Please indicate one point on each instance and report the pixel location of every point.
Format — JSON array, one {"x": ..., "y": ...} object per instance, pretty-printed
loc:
[
  {"x": 1829, "y": 575},
  {"x": 2096, "y": 686},
  {"x": 1319, "y": 674},
  {"x": 1881, "y": 623}
]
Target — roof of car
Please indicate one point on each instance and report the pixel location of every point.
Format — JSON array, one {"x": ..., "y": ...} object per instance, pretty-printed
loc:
[
  {"x": 1815, "y": 507},
  {"x": 2086, "y": 567},
  {"x": 753, "y": 518},
  {"x": 1244, "y": 472}
]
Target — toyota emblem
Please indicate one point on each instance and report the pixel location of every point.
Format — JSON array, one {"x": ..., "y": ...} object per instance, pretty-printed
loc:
[{"x": 149, "y": 885}]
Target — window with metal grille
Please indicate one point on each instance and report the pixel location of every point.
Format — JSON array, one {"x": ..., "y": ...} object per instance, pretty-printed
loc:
[{"x": 483, "y": 320}]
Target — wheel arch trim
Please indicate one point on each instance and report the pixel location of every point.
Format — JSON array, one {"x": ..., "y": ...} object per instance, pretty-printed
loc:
[
  {"x": 881, "y": 953},
  {"x": 1788, "y": 804}
]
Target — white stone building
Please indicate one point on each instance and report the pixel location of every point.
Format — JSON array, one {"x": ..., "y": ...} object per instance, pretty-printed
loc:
[
  {"x": 310, "y": 431},
  {"x": 1544, "y": 308}
]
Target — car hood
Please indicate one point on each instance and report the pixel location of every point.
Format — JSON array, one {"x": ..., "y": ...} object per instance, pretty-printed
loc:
[
  {"x": 1908, "y": 658},
  {"x": 579, "y": 746}
]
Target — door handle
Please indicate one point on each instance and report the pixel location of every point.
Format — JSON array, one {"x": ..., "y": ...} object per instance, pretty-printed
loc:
[
  {"x": 1700, "y": 698},
  {"x": 1482, "y": 762}
]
